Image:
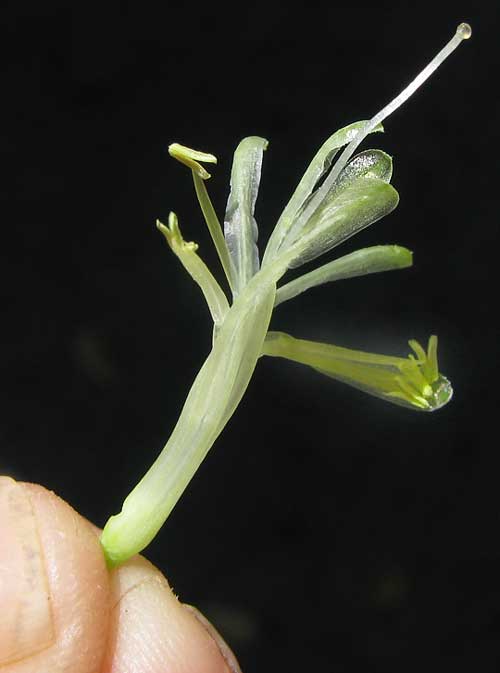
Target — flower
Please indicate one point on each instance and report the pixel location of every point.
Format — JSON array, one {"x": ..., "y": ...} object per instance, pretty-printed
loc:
[{"x": 331, "y": 203}]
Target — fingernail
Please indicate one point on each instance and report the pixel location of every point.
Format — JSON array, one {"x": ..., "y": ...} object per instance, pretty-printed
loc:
[
  {"x": 26, "y": 624},
  {"x": 225, "y": 650}
]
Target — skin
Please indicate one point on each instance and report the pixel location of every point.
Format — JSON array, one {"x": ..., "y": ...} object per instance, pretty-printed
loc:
[{"x": 62, "y": 611}]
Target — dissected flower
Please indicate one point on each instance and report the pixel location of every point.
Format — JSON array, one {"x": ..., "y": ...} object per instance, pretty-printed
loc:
[{"x": 332, "y": 202}]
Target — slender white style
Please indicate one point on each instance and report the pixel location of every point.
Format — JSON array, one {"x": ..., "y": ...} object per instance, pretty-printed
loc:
[{"x": 463, "y": 32}]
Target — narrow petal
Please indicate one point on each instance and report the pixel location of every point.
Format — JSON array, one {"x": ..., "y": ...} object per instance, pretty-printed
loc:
[
  {"x": 240, "y": 227},
  {"x": 284, "y": 230},
  {"x": 356, "y": 207},
  {"x": 376, "y": 259},
  {"x": 367, "y": 164},
  {"x": 410, "y": 382}
]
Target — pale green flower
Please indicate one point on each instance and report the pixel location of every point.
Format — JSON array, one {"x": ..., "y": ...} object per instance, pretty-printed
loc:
[{"x": 332, "y": 202}]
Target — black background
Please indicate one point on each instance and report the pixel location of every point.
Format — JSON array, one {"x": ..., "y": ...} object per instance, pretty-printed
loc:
[{"x": 327, "y": 530}]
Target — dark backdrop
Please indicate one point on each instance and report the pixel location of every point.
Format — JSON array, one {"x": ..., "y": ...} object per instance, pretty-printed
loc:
[{"x": 326, "y": 530}]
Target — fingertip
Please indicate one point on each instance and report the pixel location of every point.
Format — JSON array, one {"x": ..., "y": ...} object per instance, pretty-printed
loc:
[
  {"x": 77, "y": 588},
  {"x": 27, "y": 624},
  {"x": 225, "y": 650},
  {"x": 151, "y": 631},
  {"x": 119, "y": 622}
]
